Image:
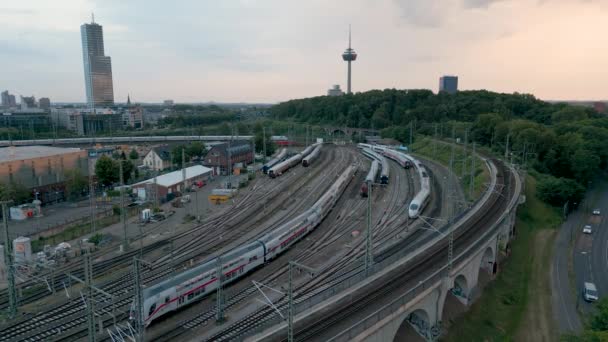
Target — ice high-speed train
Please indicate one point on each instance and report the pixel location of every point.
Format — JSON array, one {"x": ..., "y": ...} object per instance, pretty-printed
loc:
[
  {"x": 191, "y": 285},
  {"x": 422, "y": 197},
  {"x": 283, "y": 166},
  {"x": 274, "y": 161},
  {"x": 312, "y": 156}
]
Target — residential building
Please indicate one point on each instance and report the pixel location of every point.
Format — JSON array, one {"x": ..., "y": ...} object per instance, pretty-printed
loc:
[
  {"x": 28, "y": 102},
  {"x": 159, "y": 158},
  {"x": 171, "y": 184},
  {"x": 41, "y": 168},
  {"x": 44, "y": 103},
  {"x": 221, "y": 156},
  {"x": 335, "y": 91},
  {"x": 448, "y": 84},
  {"x": 97, "y": 67}
]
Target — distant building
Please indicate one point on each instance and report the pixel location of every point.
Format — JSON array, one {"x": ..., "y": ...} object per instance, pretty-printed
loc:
[
  {"x": 94, "y": 123},
  {"x": 29, "y": 120},
  {"x": 159, "y": 158},
  {"x": 335, "y": 91},
  {"x": 28, "y": 102},
  {"x": 44, "y": 103},
  {"x": 168, "y": 103},
  {"x": 5, "y": 99},
  {"x": 240, "y": 151},
  {"x": 134, "y": 116},
  {"x": 97, "y": 67},
  {"x": 171, "y": 184},
  {"x": 449, "y": 84},
  {"x": 12, "y": 102},
  {"x": 41, "y": 168}
]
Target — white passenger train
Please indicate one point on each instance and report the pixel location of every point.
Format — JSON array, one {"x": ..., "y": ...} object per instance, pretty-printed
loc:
[
  {"x": 422, "y": 197},
  {"x": 191, "y": 285},
  {"x": 274, "y": 161},
  {"x": 312, "y": 156},
  {"x": 281, "y": 167}
]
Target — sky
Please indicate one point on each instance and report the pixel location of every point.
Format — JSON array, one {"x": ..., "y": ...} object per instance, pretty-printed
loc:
[{"x": 276, "y": 50}]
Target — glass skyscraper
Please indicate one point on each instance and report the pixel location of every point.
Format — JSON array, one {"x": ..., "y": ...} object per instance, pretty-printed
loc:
[{"x": 97, "y": 67}]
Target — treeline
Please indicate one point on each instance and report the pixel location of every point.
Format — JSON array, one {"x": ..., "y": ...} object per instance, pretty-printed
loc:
[
  {"x": 191, "y": 116},
  {"x": 567, "y": 146}
]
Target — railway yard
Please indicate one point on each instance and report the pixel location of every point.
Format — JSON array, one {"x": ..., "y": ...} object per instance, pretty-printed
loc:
[{"x": 311, "y": 211}]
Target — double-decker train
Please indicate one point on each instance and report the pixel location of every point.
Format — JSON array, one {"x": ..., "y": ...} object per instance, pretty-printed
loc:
[{"x": 191, "y": 285}]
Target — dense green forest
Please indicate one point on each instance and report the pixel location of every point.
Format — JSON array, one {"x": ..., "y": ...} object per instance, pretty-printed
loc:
[{"x": 565, "y": 146}]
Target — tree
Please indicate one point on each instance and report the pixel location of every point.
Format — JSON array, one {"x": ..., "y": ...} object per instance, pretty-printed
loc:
[
  {"x": 195, "y": 150},
  {"x": 75, "y": 183},
  {"x": 133, "y": 155},
  {"x": 106, "y": 170},
  {"x": 176, "y": 155},
  {"x": 259, "y": 144}
]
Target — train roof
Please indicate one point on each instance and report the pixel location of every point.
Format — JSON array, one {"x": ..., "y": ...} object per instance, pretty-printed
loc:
[{"x": 206, "y": 266}]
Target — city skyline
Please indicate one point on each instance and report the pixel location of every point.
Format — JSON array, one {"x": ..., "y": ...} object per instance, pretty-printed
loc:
[{"x": 273, "y": 56}]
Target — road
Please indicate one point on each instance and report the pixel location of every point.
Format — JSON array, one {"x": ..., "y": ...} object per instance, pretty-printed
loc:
[{"x": 584, "y": 255}]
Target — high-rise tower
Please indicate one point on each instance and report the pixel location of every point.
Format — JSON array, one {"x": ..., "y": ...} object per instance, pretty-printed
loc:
[
  {"x": 97, "y": 66},
  {"x": 349, "y": 56}
]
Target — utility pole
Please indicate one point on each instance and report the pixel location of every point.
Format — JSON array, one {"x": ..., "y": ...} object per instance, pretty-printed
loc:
[
  {"x": 185, "y": 186},
  {"x": 507, "y": 148},
  {"x": 219, "y": 316},
  {"x": 139, "y": 299},
  {"x": 125, "y": 242},
  {"x": 8, "y": 260},
  {"x": 451, "y": 207},
  {"x": 292, "y": 265},
  {"x": 368, "y": 235},
  {"x": 472, "y": 180},
  {"x": 92, "y": 199},
  {"x": 230, "y": 158},
  {"x": 435, "y": 142},
  {"x": 264, "y": 141},
  {"x": 411, "y": 135},
  {"x": 464, "y": 160},
  {"x": 90, "y": 305}
]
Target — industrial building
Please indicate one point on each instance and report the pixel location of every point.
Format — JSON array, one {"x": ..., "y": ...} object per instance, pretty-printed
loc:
[
  {"x": 221, "y": 156},
  {"x": 41, "y": 168},
  {"x": 171, "y": 184},
  {"x": 448, "y": 84},
  {"x": 335, "y": 91}
]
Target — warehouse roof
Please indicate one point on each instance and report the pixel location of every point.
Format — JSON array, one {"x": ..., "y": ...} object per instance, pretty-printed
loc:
[
  {"x": 176, "y": 177},
  {"x": 29, "y": 152}
]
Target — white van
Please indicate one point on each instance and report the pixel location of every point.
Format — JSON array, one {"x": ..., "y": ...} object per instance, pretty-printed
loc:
[{"x": 590, "y": 292}]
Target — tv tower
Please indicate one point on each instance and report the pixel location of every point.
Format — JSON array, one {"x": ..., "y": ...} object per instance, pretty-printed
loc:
[{"x": 349, "y": 56}]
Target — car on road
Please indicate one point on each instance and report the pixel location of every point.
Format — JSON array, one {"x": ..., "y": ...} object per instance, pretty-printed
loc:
[
  {"x": 590, "y": 292},
  {"x": 587, "y": 229},
  {"x": 596, "y": 211}
]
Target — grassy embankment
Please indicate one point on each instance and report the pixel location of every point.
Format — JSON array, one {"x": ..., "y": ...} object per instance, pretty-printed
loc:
[
  {"x": 441, "y": 152},
  {"x": 517, "y": 304}
]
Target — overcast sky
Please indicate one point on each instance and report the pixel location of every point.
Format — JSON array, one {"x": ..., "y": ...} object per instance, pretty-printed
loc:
[{"x": 275, "y": 50}]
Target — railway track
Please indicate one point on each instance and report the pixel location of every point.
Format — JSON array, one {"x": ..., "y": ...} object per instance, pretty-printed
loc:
[{"x": 57, "y": 324}]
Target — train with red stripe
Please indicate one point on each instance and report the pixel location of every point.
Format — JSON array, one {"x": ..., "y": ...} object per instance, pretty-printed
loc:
[{"x": 191, "y": 285}]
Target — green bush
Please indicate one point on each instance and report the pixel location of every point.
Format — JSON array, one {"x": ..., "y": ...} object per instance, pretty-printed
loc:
[{"x": 557, "y": 191}]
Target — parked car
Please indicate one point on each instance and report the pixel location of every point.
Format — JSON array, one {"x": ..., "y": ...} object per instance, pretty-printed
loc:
[
  {"x": 596, "y": 211},
  {"x": 587, "y": 229},
  {"x": 590, "y": 292}
]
